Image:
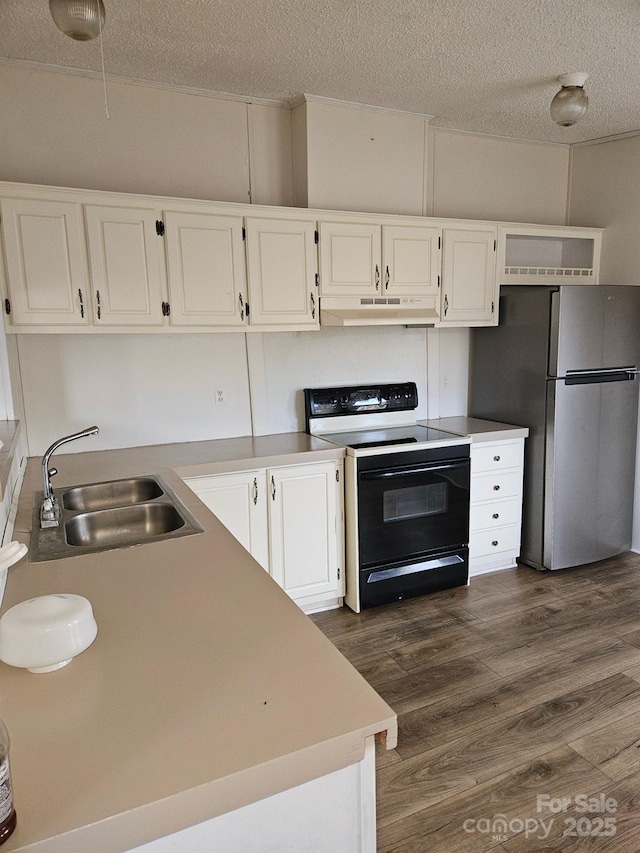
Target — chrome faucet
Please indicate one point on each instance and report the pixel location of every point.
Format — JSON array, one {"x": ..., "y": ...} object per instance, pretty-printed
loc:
[{"x": 49, "y": 509}]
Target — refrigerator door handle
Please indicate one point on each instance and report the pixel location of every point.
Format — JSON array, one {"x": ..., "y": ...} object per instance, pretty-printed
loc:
[{"x": 607, "y": 374}]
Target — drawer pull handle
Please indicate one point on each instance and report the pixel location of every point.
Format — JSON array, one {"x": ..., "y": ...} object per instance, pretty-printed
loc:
[
  {"x": 496, "y": 488},
  {"x": 496, "y": 458},
  {"x": 496, "y": 515},
  {"x": 494, "y": 543}
]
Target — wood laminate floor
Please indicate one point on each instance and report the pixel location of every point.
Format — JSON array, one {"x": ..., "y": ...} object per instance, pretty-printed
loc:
[{"x": 518, "y": 701}]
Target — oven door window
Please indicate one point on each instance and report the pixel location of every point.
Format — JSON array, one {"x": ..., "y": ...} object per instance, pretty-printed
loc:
[
  {"x": 412, "y": 510},
  {"x": 407, "y": 502}
]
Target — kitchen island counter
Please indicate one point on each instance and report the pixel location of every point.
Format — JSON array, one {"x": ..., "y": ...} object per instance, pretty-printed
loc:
[{"x": 207, "y": 688}]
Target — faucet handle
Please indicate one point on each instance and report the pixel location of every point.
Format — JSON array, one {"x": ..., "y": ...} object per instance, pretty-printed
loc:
[{"x": 52, "y": 472}]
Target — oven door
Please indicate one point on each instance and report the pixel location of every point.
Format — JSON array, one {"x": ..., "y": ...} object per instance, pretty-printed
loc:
[{"x": 413, "y": 503}]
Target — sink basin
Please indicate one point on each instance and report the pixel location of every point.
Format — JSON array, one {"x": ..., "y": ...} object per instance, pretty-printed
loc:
[
  {"x": 122, "y": 525},
  {"x": 114, "y": 493},
  {"x": 114, "y": 514}
]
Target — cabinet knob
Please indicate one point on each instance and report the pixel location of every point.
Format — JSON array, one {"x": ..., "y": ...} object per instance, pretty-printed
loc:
[
  {"x": 496, "y": 488},
  {"x": 494, "y": 543},
  {"x": 496, "y": 458},
  {"x": 496, "y": 515}
]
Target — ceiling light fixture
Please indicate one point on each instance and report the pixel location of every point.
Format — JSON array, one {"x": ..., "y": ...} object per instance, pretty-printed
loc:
[
  {"x": 82, "y": 20},
  {"x": 571, "y": 103}
]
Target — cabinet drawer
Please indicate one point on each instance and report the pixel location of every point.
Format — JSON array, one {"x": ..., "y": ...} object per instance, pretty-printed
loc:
[
  {"x": 502, "y": 484},
  {"x": 496, "y": 456},
  {"x": 494, "y": 541},
  {"x": 486, "y": 516}
]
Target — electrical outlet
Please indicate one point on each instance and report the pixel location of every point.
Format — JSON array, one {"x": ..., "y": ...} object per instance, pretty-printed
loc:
[
  {"x": 445, "y": 381},
  {"x": 219, "y": 396}
]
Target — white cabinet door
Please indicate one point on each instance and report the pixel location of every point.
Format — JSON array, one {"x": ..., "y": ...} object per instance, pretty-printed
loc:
[
  {"x": 238, "y": 500},
  {"x": 350, "y": 258},
  {"x": 304, "y": 518},
  {"x": 206, "y": 269},
  {"x": 468, "y": 277},
  {"x": 281, "y": 261},
  {"x": 125, "y": 260},
  {"x": 46, "y": 262},
  {"x": 410, "y": 260}
]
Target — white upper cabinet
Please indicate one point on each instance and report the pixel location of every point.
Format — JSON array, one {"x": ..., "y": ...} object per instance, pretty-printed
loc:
[
  {"x": 410, "y": 260},
  {"x": 469, "y": 290},
  {"x": 90, "y": 261},
  {"x": 543, "y": 255},
  {"x": 125, "y": 254},
  {"x": 281, "y": 264},
  {"x": 350, "y": 259},
  {"x": 206, "y": 269},
  {"x": 378, "y": 260},
  {"x": 46, "y": 262}
]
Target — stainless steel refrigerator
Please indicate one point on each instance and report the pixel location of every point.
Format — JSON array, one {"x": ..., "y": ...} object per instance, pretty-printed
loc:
[{"x": 564, "y": 362}]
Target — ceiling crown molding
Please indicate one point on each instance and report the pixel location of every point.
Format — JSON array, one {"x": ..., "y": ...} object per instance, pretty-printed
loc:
[
  {"x": 28, "y": 65},
  {"x": 352, "y": 105}
]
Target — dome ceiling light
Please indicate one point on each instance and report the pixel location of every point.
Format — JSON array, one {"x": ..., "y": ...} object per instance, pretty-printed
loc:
[
  {"x": 571, "y": 103},
  {"x": 82, "y": 20}
]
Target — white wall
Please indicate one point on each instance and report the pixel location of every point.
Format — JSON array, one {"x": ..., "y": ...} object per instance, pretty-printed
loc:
[
  {"x": 333, "y": 356},
  {"x": 55, "y": 131},
  {"x": 362, "y": 159},
  {"x": 139, "y": 389},
  {"x": 486, "y": 177},
  {"x": 605, "y": 192}
]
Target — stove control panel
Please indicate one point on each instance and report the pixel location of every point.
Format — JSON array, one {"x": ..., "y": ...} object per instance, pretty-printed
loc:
[{"x": 355, "y": 399}]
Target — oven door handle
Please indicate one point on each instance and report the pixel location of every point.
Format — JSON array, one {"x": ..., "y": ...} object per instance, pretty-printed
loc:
[{"x": 408, "y": 472}]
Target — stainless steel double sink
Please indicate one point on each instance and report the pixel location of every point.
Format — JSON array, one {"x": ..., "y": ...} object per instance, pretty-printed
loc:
[{"x": 112, "y": 514}]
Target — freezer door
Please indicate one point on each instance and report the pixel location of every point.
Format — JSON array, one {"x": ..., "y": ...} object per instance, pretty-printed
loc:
[
  {"x": 589, "y": 470},
  {"x": 594, "y": 327}
]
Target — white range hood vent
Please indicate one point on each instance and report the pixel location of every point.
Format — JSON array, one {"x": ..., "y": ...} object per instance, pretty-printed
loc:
[{"x": 378, "y": 311}]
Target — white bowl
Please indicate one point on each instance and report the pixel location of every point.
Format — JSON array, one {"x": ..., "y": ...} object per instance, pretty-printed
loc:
[{"x": 45, "y": 633}]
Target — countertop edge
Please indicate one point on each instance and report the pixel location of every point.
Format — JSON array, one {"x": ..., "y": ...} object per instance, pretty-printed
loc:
[
  {"x": 9, "y": 435},
  {"x": 161, "y": 818}
]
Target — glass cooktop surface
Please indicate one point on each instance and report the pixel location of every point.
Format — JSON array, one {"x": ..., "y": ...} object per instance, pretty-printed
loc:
[{"x": 388, "y": 436}]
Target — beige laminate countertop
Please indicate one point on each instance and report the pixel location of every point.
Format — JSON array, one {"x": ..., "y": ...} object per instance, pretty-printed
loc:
[
  {"x": 206, "y": 688},
  {"x": 478, "y": 429}
]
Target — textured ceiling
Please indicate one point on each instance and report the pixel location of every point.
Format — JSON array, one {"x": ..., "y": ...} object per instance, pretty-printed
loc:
[{"x": 486, "y": 66}]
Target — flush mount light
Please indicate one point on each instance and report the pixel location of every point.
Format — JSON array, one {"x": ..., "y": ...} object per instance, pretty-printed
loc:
[
  {"x": 571, "y": 103},
  {"x": 82, "y": 20}
]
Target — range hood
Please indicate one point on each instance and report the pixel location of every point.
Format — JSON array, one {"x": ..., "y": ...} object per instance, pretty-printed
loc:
[{"x": 378, "y": 311}]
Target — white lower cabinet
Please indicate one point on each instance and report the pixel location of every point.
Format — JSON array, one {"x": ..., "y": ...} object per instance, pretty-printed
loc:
[
  {"x": 238, "y": 500},
  {"x": 495, "y": 514},
  {"x": 289, "y": 518}
]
